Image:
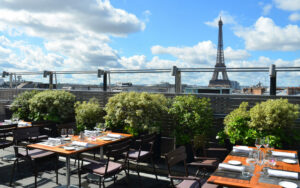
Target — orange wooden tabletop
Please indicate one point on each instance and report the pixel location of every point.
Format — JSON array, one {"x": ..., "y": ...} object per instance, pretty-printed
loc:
[
  {"x": 254, "y": 180},
  {"x": 59, "y": 149}
]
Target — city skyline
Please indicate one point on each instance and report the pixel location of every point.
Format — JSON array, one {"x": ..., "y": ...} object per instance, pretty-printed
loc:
[{"x": 138, "y": 34}]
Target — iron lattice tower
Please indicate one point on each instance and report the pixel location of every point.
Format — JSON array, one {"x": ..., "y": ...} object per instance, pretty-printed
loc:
[{"x": 220, "y": 64}]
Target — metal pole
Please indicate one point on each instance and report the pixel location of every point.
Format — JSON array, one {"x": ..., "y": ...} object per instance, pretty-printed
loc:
[
  {"x": 51, "y": 80},
  {"x": 178, "y": 82},
  {"x": 105, "y": 81},
  {"x": 109, "y": 84},
  {"x": 10, "y": 80},
  {"x": 272, "y": 73}
]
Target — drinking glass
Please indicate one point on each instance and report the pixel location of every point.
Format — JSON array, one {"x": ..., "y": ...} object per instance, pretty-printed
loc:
[
  {"x": 258, "y": 143},
  {"x": 70, "y": 133},
  {"x": 266, "y": 142},
  {"x": 63, "y": 133},
  {"x": 246, "y": 172}
]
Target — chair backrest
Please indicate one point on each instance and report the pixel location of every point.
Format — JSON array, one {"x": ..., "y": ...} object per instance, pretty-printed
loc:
[
  {"x": 7, "y": 130},
  {"x": 22, "y": 134},
  {"x": 148, "y": 141},
  {"x": 176, "y": 156},
  {"x": 117, "y": 151}
]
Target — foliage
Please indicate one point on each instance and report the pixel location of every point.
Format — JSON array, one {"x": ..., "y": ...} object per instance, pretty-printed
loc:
[
  {"x": 20, "y": 105},
  {"x": 273, "y": 114},
  {"x": 272, "y": 118},
  {"x": 237, "y": 126},
  {"x": 135, "y": 112},
  {"x": 87, "y": 114},
  {"x": 52, "y": 105},
  {"x": 193, "y": 117},
  {"x": 275, "y": 118}
]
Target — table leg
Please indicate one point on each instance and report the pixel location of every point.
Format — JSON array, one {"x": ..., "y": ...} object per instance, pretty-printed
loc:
[
  {"x": 101, "y": 152},
  {"x": 68, "y": 170}
]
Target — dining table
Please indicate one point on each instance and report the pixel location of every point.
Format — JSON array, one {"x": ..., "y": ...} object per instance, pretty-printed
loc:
[
  {"x": 259, "y": 177},
  {"x": 90, "y": 144}
]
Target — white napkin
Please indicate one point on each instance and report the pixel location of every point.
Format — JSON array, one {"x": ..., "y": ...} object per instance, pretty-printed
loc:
[
  {"x": 114, "y": 135},
  {"x": 88, "y": 133},
  {"x": 283, "y": 154},
  {"x": 245, "y": 149},
  {"x": 82, "y": 144},
  {"x": 8, "y": 121},
  {"x": 22, "y": 124},
  {"x": 231, "y": 167},
  {"x": 283, "y": 174},
  {"x": 54, "y": 139}
]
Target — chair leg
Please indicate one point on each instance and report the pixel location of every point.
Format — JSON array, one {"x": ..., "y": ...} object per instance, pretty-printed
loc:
[
  {"x": 100, "y": 182},
  {"x": 138, "y": 171},
  {"x": 154, "y": 169},
  {"x": 13, "y": 172},
  {"x": 56, "y": 168}
]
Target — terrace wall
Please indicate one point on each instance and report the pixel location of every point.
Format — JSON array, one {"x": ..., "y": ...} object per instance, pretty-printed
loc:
[{"x": 221, "y": 104}]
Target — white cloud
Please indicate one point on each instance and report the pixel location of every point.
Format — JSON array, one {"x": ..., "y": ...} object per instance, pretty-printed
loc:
[
  {"x": 289, "y": 5},
  {"x": 266, "y": 9},
  {"x": 266, "y": 35},
  {"x": 204, "y": 53},
  {"x": 74, "y": 31},
  {"x": 294, "y": 17},
  {"x": 226, "y": 19}
]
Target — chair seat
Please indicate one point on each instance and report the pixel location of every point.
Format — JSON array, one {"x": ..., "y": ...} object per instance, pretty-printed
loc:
[
  {"x": 209, "y": 185},
  {"x": 5, "y": 143},
  {"x": 205, "y": 163},
  {"x": 135, "y": 154},
  {"x": 37, "y": 153},
  {"x": 188, "y": 184},
  {"x": 40, "y": 137},
  {"x": 100, "y": 168}
]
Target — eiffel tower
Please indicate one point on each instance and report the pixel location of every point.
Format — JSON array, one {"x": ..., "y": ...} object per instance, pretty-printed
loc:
[{"x": 220, "y": 64}]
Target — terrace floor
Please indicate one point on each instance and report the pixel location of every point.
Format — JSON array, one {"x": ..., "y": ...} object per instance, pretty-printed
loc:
[{"x": 24, "y": 176}]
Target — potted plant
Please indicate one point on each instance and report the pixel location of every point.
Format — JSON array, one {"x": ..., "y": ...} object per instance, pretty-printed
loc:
[
  {"x": 52, "y": 105},
  {"x": 88, "y": 114},
  {"x": 20, "y": 105},
  {"x": 134, "y": 112},
  {"x": 193, "y": 118},
  {"x": 272, "y": 118}
]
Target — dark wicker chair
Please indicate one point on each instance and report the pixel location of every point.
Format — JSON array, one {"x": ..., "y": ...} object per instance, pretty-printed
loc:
[
  {"x": 143, "y": 153},
  {"x": 107, "y": 167},
  {"x": 206, "y": 162},
  {"x": 6, "y": 131},
  {"x": 178, "y": 156},
  {"x": 35, "y": 156}
]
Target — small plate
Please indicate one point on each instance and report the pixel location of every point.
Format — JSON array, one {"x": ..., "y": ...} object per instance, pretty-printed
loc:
[
  {"x": 69, "y": 148},
  {"x": 234, "y": 162},
  {"x": 106, "y": 139},
  {"x": 67, "y": 139},
  {"x": 288, "y": 184},
  {"x": 290, "y": 161}
]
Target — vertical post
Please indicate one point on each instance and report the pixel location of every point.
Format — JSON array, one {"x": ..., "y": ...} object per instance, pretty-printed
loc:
[
  {"x": 10, "y": 80},
  {"x": 272, "y": 73},
  {"x": 177, "y": 74},
  {"x": 50, "y": 80},
  {"x": 178, "y": 82},
  {"x": 105, "y": 81}
]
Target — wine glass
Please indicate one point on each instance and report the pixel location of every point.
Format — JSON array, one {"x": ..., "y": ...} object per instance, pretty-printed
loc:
[
  {"x": 70, "y": 133},
  {"x": 63, "y": 133},
  {"x": 258, "y": 143}
]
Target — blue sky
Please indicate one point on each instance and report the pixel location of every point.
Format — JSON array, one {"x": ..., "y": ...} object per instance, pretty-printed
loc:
[{"x": 138, "y": 34}]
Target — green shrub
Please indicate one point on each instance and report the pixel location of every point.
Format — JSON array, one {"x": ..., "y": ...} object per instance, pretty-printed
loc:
[
  {"x": 87, "y": 114},
  {"x": 237, "y": 126},
  {"x": 52, "y": 105},
  {"x": 20, "y": 105},
  {"x": 273, "y": 119},
  {"x": 135, "y": 112},
  {"x": 193, "y": 117}
]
